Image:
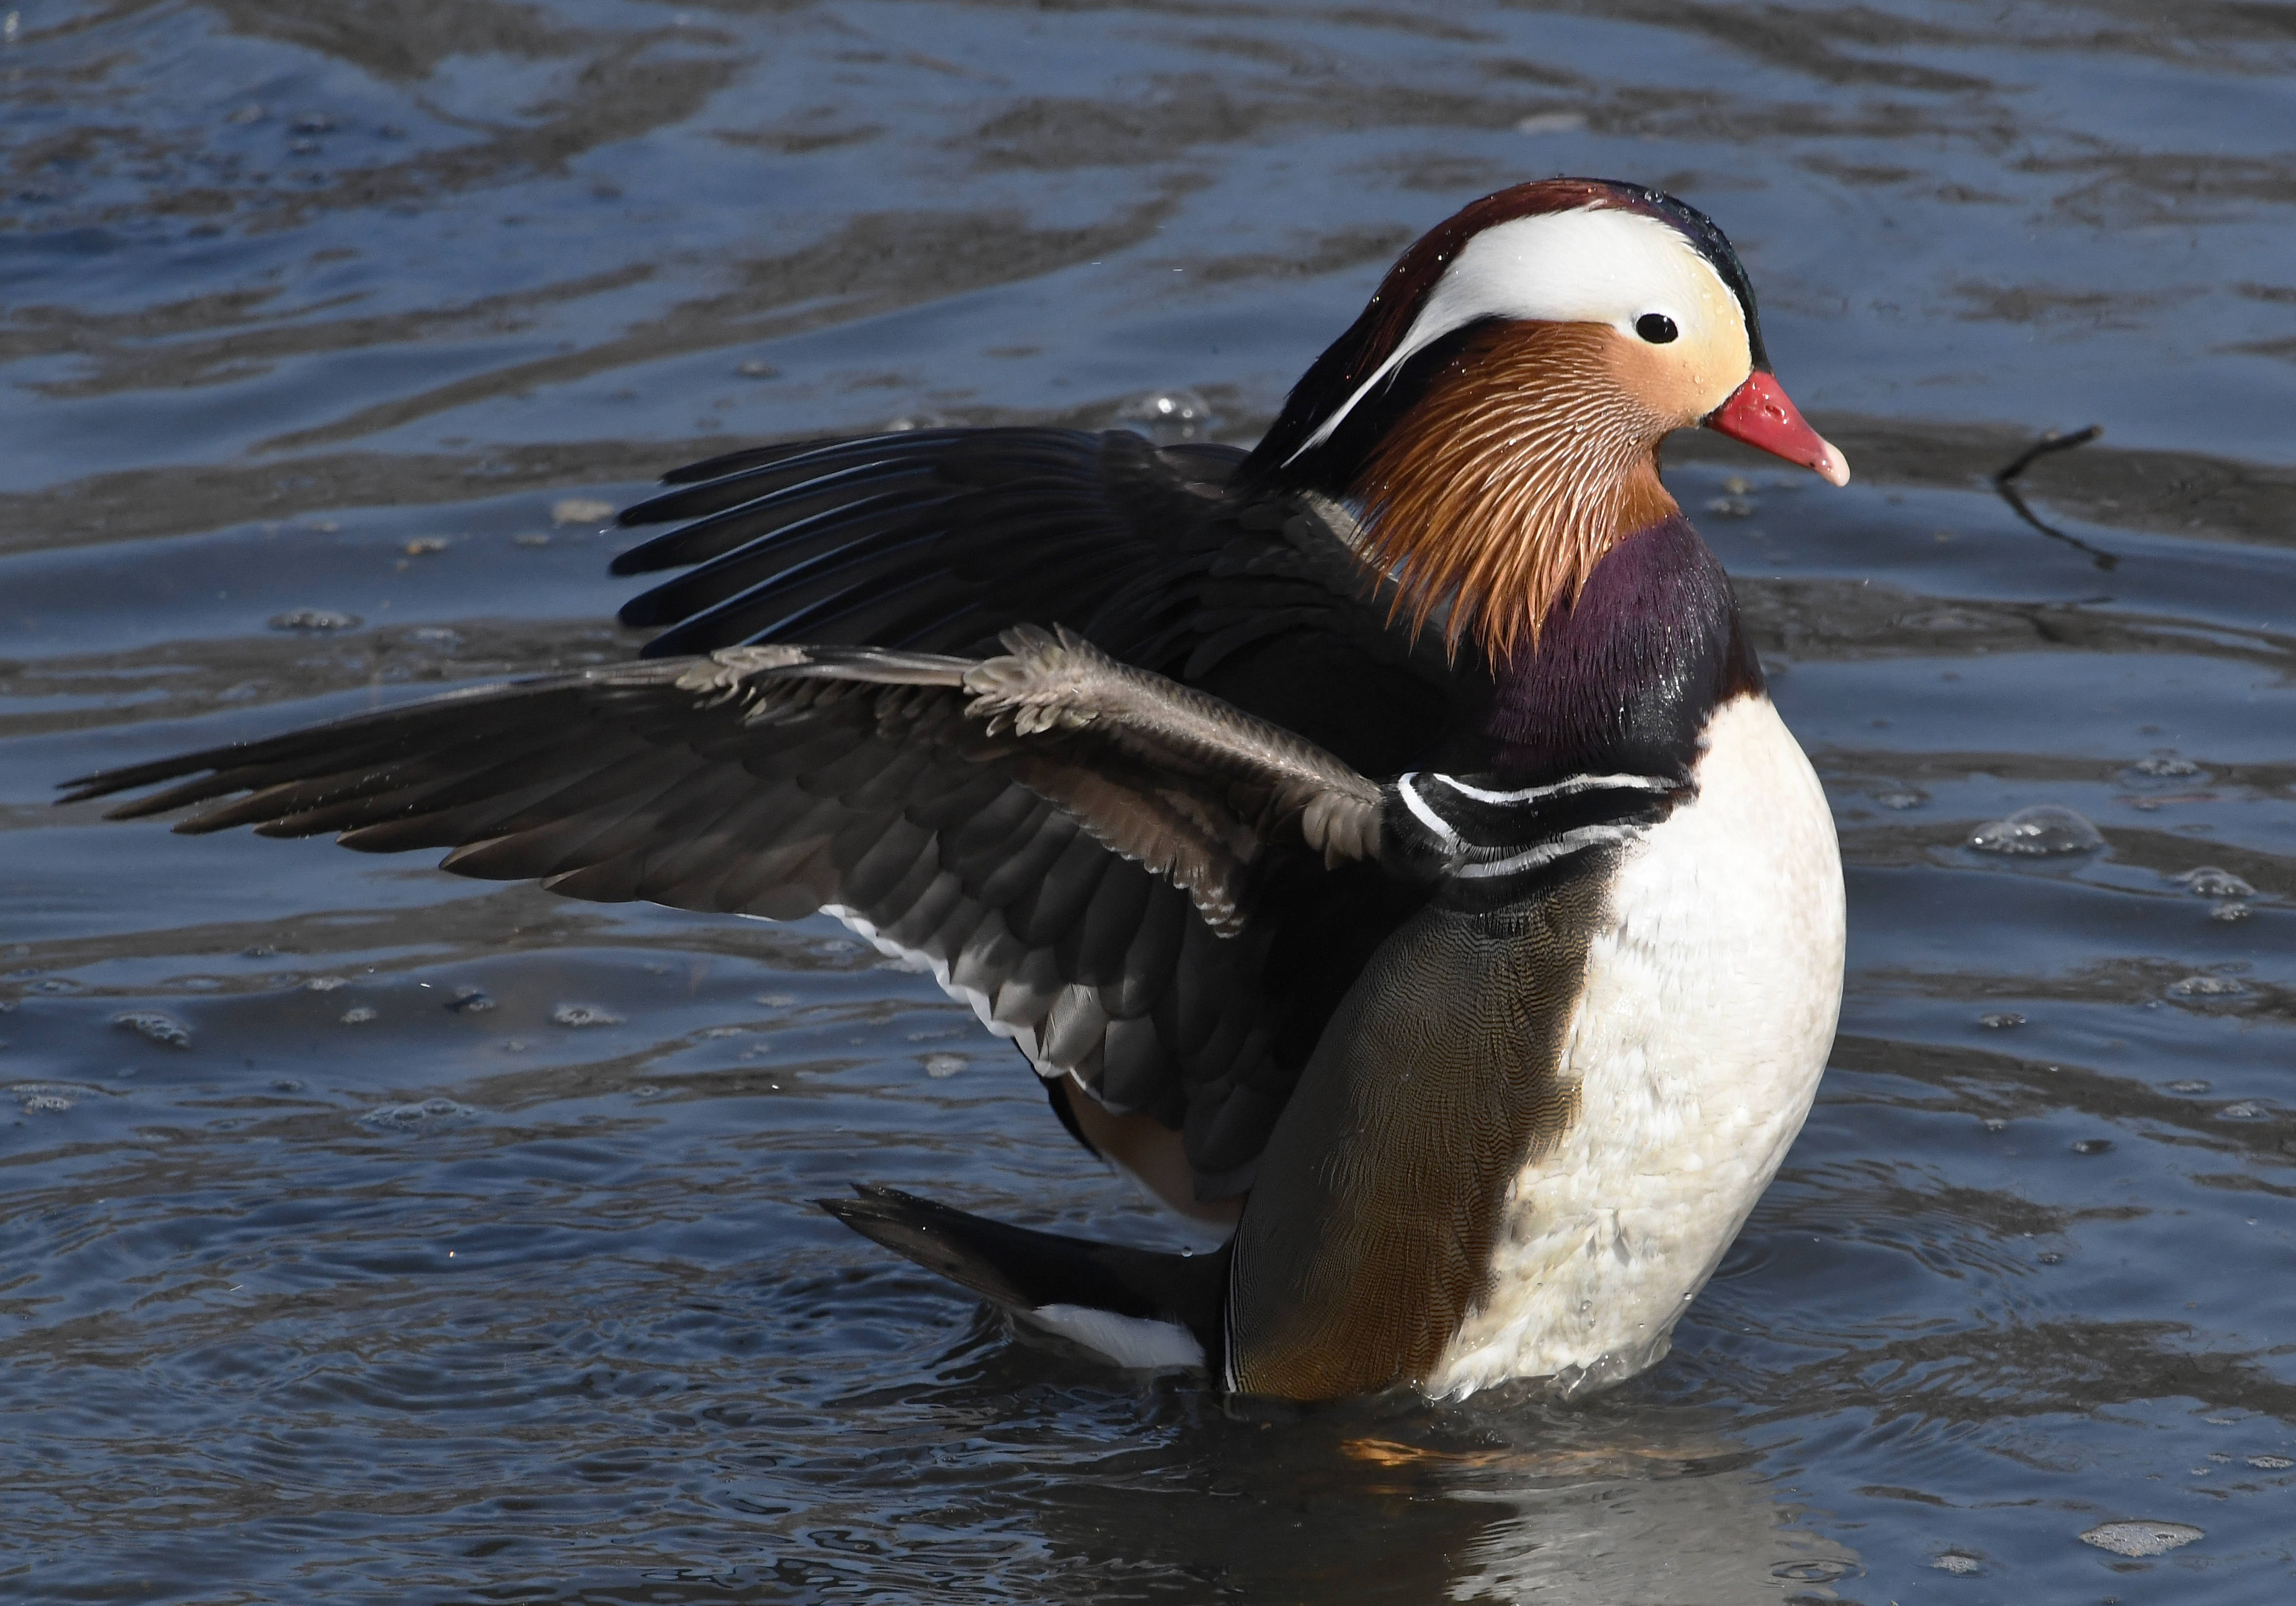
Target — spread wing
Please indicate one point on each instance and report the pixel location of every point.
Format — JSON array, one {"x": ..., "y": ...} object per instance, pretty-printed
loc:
[
  {"x": 1115, "y": 870},
  {"x": 1146, "y": 864}
]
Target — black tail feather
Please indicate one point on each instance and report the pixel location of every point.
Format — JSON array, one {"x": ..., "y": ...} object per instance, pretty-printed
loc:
[{"x": 1025, "y": 1270}]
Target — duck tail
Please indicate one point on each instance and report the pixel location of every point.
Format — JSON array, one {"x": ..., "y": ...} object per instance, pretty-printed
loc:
[{"x": 1137, "y": 1308}]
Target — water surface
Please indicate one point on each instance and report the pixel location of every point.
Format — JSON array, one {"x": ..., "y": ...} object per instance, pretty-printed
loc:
[{"x": 420, "y": 1239}]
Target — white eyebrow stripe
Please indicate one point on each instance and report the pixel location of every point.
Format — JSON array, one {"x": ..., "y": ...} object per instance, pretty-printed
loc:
[
  {"x": 1425, "y": 815},
  {"x": 1570, "y": 841},
  {"x": 1593, "y": 265},
  {"x": 1409, "y": 348},
  {"x": 1559, "y": 789}
]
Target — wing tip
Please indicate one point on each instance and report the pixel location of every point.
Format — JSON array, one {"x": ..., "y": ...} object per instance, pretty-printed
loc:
[{"x": 111, "y": 783}]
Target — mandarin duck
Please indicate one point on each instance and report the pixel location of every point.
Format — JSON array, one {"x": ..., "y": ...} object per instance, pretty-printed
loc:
[{"x": 1380, "y": 843}]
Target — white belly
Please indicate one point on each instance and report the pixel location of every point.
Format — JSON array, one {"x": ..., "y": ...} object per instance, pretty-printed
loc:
[{"x": 1712, "y": 988}]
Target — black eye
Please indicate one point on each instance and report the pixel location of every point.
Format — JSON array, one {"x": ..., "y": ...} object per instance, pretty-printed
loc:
[{"x": 1656, "y": 328}]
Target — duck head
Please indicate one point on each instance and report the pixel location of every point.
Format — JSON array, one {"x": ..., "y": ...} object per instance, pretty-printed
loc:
[{"x": 1492, "y": 421}]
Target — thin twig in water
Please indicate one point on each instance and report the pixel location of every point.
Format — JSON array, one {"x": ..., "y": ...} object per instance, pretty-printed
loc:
[
  {"x": 2048, "y": 442},
  {"x": 2005, "y": 482}
]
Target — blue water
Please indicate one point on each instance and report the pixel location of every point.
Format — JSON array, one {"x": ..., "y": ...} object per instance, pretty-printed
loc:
[{"x": 352, "y": 1295}]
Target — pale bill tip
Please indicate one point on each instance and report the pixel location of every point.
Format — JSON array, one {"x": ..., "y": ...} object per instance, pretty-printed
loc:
[{"x": 1833, "y": 465}]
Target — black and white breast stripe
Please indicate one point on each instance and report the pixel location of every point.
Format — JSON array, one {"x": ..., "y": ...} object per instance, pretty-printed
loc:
[{"x": 1494, "y": 843}]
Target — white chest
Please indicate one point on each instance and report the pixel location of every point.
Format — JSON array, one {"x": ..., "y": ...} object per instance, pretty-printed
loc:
[{"x": 1712, "y": 988}]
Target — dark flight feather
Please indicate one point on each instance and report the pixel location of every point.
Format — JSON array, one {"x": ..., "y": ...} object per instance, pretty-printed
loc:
[{"x": 1034, "y": 824}]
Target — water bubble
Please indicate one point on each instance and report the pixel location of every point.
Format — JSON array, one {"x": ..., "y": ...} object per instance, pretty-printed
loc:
[
  {"x": 2001, "y": 1021},
  {"x": 780, "y": 1000},
  {"x": 2046, "y": 827},
  {"x": 2207, "y": 987},
  {"x": 2141, "y": 1538},
  {"x": 286, "y": 1084},
  {"x": 435, "y": 636},
  {"x": 154, "y": 1027},
  {"x": 1731, "y": 507},
  {"x": 2188, "y": 1086},
  {"x": 1994, "y": 1123},
  {"x": 2245, "y": 1111},
  {"x": 2230, "y": 910},
  {"x": 580, "y": 510},
  {"x": 431, "y": 1115},
  {"x": 1168, "y": 417},
  {"x": 940, "y": 1067},
  {"x": 1954, "y": 1561},
  {"x": 584, "y": 1014},
  {"x": 469, "y": 1000},
  {"x": 2209, "y": 881},
  {"x": 322, "y": 984},
  {"x": 2161, "y": 768},
  {"x": 2271, "y": 1463},
  {"x": 757, "y": 370},
  {"x": 313, "y": 618},
  {"x": 2094, "y": 1146},
  {"x": 1824, "y": 1569},
  {"x": 1905, "y": 798}
]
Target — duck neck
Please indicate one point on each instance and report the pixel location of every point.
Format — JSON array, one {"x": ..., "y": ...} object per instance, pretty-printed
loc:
[{"x": 1623, "y": 674}]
